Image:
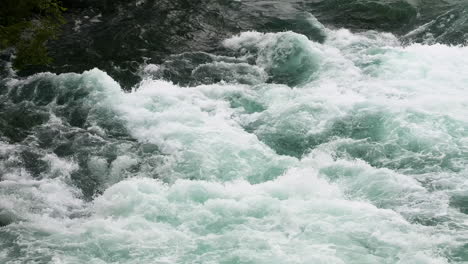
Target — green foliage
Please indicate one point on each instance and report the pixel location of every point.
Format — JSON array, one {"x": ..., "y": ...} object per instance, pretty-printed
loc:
[{"x": 27, "y": 25}]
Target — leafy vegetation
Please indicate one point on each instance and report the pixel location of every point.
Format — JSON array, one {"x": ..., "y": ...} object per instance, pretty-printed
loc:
[{"x": 26, "y": 26}]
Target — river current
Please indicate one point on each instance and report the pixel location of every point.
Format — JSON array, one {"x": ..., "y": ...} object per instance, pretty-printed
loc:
[{"x": 333, "y": 146}]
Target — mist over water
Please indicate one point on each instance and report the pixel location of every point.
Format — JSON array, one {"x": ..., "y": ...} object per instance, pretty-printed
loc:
[{"x": 332, "y": 146}]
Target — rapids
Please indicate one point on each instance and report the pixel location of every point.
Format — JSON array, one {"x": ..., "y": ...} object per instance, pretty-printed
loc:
[{"x": 351, "y": 148}]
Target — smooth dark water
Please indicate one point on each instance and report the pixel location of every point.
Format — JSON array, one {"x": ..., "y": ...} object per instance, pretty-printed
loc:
[{"x": 118, "y": 36}]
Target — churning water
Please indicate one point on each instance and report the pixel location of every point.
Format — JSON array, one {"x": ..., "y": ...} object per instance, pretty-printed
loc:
[{"x": 282, "y": 150}]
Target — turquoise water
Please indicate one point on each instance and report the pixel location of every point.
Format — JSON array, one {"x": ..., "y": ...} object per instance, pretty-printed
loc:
[{"x": 354, "y": 150}]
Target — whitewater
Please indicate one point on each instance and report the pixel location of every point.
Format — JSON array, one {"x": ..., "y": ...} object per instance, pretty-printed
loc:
[{"x": 286, "y": 150}]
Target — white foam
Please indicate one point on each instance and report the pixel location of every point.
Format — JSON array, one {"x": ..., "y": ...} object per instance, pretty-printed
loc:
[{"x": 224, "y": 195}]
